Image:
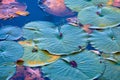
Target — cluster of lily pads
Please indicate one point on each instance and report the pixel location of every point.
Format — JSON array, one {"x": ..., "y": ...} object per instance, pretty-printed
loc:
[{"x": 62, "y": 51}]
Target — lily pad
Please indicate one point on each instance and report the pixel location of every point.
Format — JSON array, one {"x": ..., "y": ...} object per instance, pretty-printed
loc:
[
  {"x": 7, "y": 71},
  {"x": 100, "y": 17},
  {"x": 112, "y": 71},
  {"x": 68, "y": 40},
  {"x": 36, "y": 57},
  {"x": 10, "y": 33},
  {"x": 33, "y": 29},
  {"x": 80, "y": 4},
  {"x": 82, "y": 66},
  {"x": 107, "y": 40},
  {"x": 10, "y": 51}
]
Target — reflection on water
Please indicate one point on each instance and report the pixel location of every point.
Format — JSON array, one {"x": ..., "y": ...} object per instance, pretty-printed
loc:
[
  {"x": 12, "y": 10},
  {"x": 55, "y": 7}
]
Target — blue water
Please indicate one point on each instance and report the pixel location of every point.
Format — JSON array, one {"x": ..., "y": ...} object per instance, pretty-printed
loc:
[{"x": 35, "y": 14}]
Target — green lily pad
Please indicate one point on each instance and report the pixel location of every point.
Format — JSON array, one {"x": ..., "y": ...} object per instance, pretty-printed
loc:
[
  {"x": 10, "y": 33},
  {"x": 34, "y": 56},
  {"x": 100, "y": 17},
  {"x": 80, "y": 4},
  {"x": 10, "y": 51},
  {"x": 107, "y": 40},
  {"x": 7, "y": 71},
  {"x": 112, "y": 71},
  {"x": 81, "y": 66},
  {"x": 68, "y": 40},
  {"x": 33, "y": 29}
]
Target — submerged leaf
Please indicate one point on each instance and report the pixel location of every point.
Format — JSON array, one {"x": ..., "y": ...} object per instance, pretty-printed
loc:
[
  {"x": 32, "y": 30},
  {"x": 10, "y": 51},
  {"x": 60, "y": 9},
  {"x": 100, "y": 17},
  {"x": 7, "y": 1},
  {"x": 82, "y": 66},
  {"x": 27, "y": 73},
  {"x": 116, "y": 3},
  {"x": 36, "y": 57},
  {"x": 80, "y": 4},
  {"x": 107, "y": 40},
  {"x": 10, "y": 10},
  {"x": 10, "y": 33},
  {"x": 68, "y": 40}
]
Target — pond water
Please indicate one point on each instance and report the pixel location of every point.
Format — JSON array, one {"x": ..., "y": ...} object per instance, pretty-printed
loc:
[{"x": 36, "y": 14}]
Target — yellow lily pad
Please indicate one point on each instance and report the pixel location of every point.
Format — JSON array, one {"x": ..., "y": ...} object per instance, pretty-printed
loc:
[{"x": 33, "y": 56}]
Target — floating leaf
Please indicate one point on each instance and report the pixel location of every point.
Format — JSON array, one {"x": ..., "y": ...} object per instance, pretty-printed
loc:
[
  {"x": 7, "y": 71},
  {"x": 80, "y": 4},
  {"x": 66, "y": 41},
  {"x": 33, "y": 30},
  {"x": 100, "y": 17},
  {"x": 82, "y": 66},
  {"x": 36, "y": 57},
  {"x": 10, "y": 33},
  {"x": 112, "y": 71},
  {"x": 10, "y": 51},
  {"x": 107, "y": 40}
]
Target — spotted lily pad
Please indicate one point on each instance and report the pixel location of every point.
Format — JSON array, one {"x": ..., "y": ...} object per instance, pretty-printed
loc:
[
  {"x": 36, "y": 57},
  {"x": 7, "y": 71},
  {"x": 80, "y": 4},
  {"x": 81, "y": 66},
  {"x": 107, "y": 40},
  {"x": 100, "y": 17},
  {"x": 10, "y": 51},
  {"x": 68, "y": 40},
  {"x": 10, "y": 33},
  {"x": 33, "y": 30}
]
